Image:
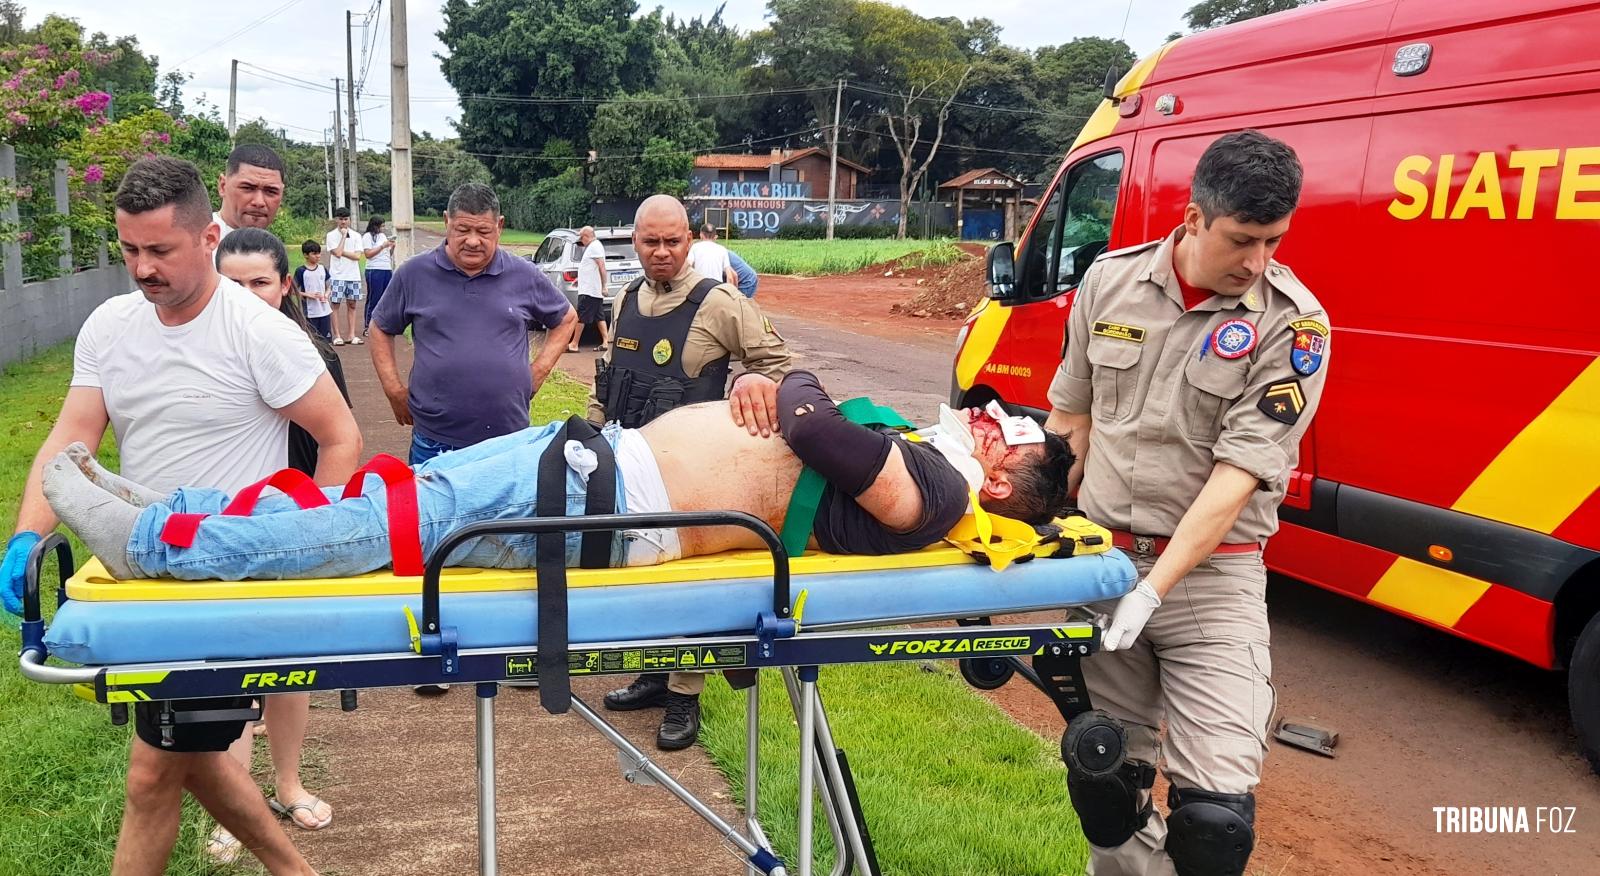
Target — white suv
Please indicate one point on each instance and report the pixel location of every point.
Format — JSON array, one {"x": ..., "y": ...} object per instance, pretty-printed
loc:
[{"x": 558, "y": 258}]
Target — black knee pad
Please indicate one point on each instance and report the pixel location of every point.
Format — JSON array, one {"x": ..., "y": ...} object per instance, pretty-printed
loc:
[
  {"x": 1210, "y": 833},
  {"x": 848, "y": 455},
  {"x": 1108, "y": 805}
]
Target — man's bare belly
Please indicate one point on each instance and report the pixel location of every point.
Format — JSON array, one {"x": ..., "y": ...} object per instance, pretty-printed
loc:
[{"x": 710, "y": 463}]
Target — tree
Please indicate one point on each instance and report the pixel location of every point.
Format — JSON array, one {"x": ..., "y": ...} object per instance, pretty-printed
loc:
[
  {"x": 438, "y": 167},
  {"x": 645, "y": 145},
  {"x": 1215, "y": 13},
  {"x": 555, "y": 60}
]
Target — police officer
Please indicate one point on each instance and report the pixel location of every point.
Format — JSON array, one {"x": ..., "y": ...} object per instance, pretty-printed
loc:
[
  {"x": 1193, "y": 366},
  {"x": 674, "y": 336}
]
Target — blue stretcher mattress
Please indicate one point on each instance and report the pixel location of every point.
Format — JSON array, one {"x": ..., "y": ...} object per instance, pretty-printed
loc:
[{"x": 145, "y": 630}]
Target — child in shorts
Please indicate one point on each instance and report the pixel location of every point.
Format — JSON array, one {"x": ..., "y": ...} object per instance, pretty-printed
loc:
[{"x": 311, "y": 284}]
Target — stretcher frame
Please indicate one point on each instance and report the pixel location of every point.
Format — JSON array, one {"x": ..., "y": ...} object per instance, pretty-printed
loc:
[{"x": 777, "y": 642}]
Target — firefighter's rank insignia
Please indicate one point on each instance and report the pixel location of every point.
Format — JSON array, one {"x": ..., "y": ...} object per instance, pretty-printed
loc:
[
  {"x": 1310, "y": 344},
  {"x": 662, "y": 352},
  {"x": 1117, "y": 330},
  {"x": 627, "y": 343},
  {"x": 1283, "y": 401}
]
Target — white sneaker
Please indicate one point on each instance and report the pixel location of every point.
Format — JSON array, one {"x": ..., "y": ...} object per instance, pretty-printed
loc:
[{"x": 357, "y": 341}]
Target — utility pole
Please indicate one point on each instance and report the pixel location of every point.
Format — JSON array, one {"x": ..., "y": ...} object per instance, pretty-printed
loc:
[
  {"x": 233, "y": 99},
  {"x": 400, "y": 133},
  {"x": 327, "y": 175},
  {"x": 833, "y": 158},
  {"x": 338, "y": 148},
  {"x": 350, "y": 93}
]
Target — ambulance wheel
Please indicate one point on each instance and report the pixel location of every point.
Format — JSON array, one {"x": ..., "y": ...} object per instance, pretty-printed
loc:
[
  {"x": 989, "y": 673},
  {"x": 1094, "y": 744},
  {"x": 1583, "y": 691}
]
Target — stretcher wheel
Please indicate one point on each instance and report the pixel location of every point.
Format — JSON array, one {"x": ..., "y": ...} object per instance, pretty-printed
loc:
[
  {"x": 987, "y": 673},
  {"x": 1094, "y": 744}
]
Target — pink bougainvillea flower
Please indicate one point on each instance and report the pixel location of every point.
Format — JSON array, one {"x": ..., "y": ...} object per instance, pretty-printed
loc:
[
  {"x": 93, "y": 173},
  {"x": 92, "y": 102},
  {"x": 16, "y": 118},
  {"x": 164, "y": 137}
]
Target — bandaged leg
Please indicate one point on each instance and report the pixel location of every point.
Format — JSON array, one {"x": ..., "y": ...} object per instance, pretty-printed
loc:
[
  {"x": 115, "y": 484},
  {"x": 104, "y": 521},
  {"x": 848, "y": 455}
]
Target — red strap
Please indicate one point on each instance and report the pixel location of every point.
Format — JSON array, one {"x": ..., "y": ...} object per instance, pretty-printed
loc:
[
  {"x": 294, "y": 483},
  {"x": 405, "y": 533},
  {"x": 180, "y": 529}
]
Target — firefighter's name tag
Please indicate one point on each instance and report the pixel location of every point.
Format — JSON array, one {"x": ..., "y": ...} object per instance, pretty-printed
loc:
[{"x": 1117, "y": 330}]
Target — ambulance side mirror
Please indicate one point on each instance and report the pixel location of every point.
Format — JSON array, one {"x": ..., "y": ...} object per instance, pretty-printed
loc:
[{"x": 1003, "y": 271}]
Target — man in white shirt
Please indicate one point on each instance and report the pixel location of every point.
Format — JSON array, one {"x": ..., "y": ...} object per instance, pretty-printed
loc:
[
  {"x": 592, "y": 282},
  {"x": 343, "y": 249},
  {"x": 251, "y": 189},
  {"x": 199, "y": 380},
  {"x": 710, "y": 259}
]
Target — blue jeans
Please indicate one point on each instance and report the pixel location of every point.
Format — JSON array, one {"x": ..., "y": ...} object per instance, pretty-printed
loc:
[
  {"x": 377, "y": 282},
  {"x": 492, "y": 480},
  {"x": 424, "y": 448}
]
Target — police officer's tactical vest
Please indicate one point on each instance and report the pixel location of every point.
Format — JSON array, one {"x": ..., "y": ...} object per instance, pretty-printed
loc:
[{"x": 646, "y": 378}]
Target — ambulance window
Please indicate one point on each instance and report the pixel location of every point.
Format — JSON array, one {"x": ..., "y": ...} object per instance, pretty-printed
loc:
[{"x": 1082, "y": 224}]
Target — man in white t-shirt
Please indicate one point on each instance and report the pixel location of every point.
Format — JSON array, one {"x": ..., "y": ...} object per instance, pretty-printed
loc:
[
  {"x": 592, "y": 281},
  {"x": 250, "y": 189},
  {"x": 199, "y": 380},
  {"x": 342, "y": 249},
  {"x": 710, "y": 259}
]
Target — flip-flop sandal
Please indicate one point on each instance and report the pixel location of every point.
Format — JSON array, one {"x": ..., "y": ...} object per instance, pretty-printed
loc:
[
  {"x": 222, "y": 847},
  {"x": 307, "y": 805}
]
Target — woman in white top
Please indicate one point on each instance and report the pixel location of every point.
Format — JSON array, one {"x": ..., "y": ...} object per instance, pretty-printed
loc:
[{"x": 379, "y": 250}]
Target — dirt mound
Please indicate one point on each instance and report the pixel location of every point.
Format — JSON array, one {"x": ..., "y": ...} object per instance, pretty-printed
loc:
[{"x": 946, "y": 293}]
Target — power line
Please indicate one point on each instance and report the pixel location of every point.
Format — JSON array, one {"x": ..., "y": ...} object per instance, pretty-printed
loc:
[
  {"x": 962, "y": 146},
  {"x": 979, "y": 106},
  {"x": 240, "y": 32}
]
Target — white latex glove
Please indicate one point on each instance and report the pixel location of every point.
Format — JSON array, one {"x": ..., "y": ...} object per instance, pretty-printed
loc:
[{"x": 1132, "y": 612}]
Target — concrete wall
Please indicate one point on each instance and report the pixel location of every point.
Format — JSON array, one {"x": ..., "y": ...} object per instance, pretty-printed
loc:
[{"x": 40, "y": 315}]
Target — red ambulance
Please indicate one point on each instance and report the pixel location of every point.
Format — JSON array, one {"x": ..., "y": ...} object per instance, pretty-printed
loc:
[{"x": 1452, "y": 189}]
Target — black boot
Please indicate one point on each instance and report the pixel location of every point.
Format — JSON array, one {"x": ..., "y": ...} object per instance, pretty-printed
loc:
[
  {"x": 647, "y": 690},
  {"x": 680, "y": 727}
]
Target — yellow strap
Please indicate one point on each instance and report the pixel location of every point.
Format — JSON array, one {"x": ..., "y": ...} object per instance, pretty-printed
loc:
[
  {"x": 800, "y": 608},
  {"x": 416, "y": 634}
]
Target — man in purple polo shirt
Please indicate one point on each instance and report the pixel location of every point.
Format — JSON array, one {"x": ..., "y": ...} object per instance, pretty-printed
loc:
[{"x": 470, "y": 306}]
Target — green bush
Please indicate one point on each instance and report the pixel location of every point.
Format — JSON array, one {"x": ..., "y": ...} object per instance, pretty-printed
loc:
[{"x": 556, "y": 202}]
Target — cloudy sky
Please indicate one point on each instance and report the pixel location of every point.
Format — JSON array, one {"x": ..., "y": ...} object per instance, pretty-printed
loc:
[{"x": 304, "y": 40}]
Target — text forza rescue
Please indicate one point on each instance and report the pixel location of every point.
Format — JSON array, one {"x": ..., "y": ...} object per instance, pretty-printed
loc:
[{"x": 1504, "y": 819}]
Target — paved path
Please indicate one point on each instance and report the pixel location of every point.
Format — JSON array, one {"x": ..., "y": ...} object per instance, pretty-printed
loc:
[{"x": 400, "y": 770}]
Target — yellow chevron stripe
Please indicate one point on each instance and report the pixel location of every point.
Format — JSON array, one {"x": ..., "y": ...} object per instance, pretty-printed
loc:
[
  {"x": 121, "y": 696},
  {"x": 985, "y": 333},
  {"x": 1429, "y": 592},
  {"x": 1550, "y": 468},
  {"x": 121, "y": 679}
]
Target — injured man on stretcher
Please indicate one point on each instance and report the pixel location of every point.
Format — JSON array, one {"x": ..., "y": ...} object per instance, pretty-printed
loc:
[{"x": 885, "y": 494}]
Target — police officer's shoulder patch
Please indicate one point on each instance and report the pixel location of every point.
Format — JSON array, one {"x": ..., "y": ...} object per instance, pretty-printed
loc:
[{"x": 1283, "y": 401}]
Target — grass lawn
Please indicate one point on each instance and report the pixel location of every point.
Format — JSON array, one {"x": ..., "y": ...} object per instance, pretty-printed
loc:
[
  {"x": 509, "y": 237},
  {"x": 558, "y": 398},
  {"x": 813, "y": 258},
  {"x": 948, "y": 785},
  {"x": 61, "y": 761}
]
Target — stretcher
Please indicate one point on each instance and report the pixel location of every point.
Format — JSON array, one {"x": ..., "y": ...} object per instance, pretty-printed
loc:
[{"x": 160, "y": 641}]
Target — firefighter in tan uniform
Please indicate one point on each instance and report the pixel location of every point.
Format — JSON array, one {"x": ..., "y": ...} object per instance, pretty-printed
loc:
[
  {"x": 1193, "y": 367},
  {"x": 674, "y": 337}
]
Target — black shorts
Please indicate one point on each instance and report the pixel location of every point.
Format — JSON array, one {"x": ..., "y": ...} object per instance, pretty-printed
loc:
[
  {"x": 591, "y": 308},
  {"x": 210, "y": 736}
]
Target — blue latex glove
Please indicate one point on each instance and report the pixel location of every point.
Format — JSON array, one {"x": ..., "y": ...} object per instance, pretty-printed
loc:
[{"x": 14, "y": 569}]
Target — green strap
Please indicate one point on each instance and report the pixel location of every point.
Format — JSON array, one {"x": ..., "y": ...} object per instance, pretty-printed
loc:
[{"x": 802, "y": 514}]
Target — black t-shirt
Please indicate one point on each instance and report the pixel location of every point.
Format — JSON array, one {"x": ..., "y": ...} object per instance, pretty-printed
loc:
[
  {"x": 303, "y": 447},
  {"x": 844, "y": 527}
]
